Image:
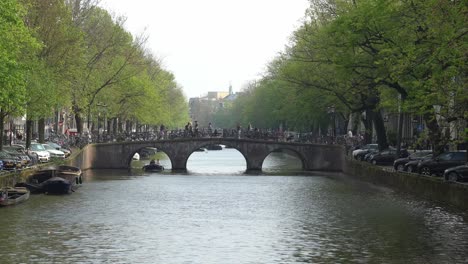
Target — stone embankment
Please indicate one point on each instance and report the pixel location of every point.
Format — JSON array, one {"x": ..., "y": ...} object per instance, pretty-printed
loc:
[
  {"x": 10, "y": 179},
  {"x": 428, "y": 187}
]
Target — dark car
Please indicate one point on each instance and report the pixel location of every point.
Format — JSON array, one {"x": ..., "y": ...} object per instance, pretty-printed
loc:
[
  {"x": 9, "y": 162},
  {"x": 442, "y": 162},
  {"x": 458, "y": 173},
  {"x": 19, "y": 154},
  {"x": 364, "y": 154},
  {"x": 412, "y": 166},
  {"x": 386, "y": 156},
  {"x": 361, "y": 151},
  {"x": 399, "y": 164}
]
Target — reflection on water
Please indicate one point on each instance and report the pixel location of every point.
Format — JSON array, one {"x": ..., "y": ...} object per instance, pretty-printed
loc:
[{"x": 217, "y": 214}]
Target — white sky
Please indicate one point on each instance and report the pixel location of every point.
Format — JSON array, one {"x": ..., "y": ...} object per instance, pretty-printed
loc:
[{"x": 208, "y": 44}]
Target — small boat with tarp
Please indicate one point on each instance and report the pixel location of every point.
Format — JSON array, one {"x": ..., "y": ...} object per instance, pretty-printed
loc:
[
  {"x": 56, "y": 185},
  {"x": 153, "y": 166},
  {"x": 11, "y": 196}
]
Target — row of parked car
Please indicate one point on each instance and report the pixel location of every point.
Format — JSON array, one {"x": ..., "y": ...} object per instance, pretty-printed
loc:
[
  {"x": 453, "y": 166},
  {"x": 16, "y": 156}
]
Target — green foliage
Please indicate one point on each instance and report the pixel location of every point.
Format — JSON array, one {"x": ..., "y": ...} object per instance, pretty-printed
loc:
[
  {"x": 16, "y": 47},
  {"x": 364, "y": 56}
]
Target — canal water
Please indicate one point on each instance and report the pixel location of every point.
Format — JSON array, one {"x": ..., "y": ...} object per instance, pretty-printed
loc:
[{"x": 216, "y": 214}]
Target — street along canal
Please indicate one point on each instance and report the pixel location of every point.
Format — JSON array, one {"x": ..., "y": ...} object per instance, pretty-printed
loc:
[{"x": 216, "y": 214}]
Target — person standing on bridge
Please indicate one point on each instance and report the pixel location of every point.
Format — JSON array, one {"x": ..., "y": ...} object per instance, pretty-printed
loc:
[
  {"x": 210, "y": 129},
  {"x": 162, "y": 129},
  {"x": 196, "y": 128}
]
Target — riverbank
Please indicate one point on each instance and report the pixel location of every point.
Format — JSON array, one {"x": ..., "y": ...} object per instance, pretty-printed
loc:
[
  {"x": 428, "y": 187},
  {"x": 11, "y": 178}
]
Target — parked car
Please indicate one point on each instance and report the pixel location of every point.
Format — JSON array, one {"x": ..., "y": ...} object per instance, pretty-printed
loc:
[
  {"x": 458, "y": 173},
  {"x": 20, "y": 154},
  {"x": 399, "y": 164},
  {"x": 386, "y": 156},
  {"x": 58, "y": 147},
  {"x": 412, "y": 166},
  {"x": 364, "y": 149},
  {"x": 39, "y": 150},
  {"x": 365, "y": 156},
  {"x": 32, "y": 156},
  {"x": 442, "y": 162},
  {"x": 9, "y": 162},
  {"x": 53, "y": 152}
]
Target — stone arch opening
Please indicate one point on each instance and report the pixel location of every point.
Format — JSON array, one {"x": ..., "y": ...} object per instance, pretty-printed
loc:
[
  {"x": 146, "y": 154},
  {"x": 283, "y": 159},
  {"x": 217, "y": 159}
]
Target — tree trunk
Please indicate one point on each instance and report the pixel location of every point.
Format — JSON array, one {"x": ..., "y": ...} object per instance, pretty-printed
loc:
[
  {"x": 29, "y": 124},
  {"x": 434, "y": 132},
  {"x": 78, "y": 119},
  {"x": 41, "y": 130},
  {"x": 400, "y": 125},
  {"x": 368, "y": 127},
  {"x": 79, "y": 123},
  {"x": 56, "y": 121},
  {"x": 380, "y": 130},
  {"x": 2, "y": 130},
  {"x": 108, "y": 126},
  {"x": 120, "y": 125}
]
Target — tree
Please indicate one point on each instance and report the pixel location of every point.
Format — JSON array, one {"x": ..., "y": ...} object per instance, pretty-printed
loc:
[
  {"x": 17, "y": 46},
  {"x": 55, "y": 64}
]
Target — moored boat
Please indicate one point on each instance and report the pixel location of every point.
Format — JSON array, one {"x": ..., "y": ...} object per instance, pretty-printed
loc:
[
  {"x": 45, "y": 180},
  {"x": 56, "y": 185},
  {"x": 153, "y": 167},
  {"x": 12, "y": 196}
]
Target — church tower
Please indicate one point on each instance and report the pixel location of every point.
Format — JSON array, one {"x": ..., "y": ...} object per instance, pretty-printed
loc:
[{"x": 230, "y": 89}]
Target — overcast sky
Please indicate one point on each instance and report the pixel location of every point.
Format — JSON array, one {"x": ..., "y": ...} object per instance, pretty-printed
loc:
[{"x": 208, "y": 44}]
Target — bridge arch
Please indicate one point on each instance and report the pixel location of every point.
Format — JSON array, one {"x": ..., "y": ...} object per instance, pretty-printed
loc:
[
  {"x": 290, "y": 151},
  {"x": 205, "y": 144},
  {"x": 129, "y": 158}
]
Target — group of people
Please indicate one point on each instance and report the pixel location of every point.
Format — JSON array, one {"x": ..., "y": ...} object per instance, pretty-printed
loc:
[{"x": 192, "y": 130}]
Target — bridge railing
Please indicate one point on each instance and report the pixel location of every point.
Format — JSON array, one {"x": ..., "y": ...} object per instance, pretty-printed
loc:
[{"x": 257, "y": 134}]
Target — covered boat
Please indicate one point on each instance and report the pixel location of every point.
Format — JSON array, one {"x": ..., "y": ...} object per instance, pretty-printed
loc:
[
  {"x": 70, "y": 173},
  {"x": 12, "y": 196},
  {"x": 56, "y": 185},
  {"x": 153, "y": 167},
  {"x": 45, "y": 180}
]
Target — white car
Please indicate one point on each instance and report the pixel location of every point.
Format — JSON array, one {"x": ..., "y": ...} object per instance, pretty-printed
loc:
[
  {"x": 42, "y": 154},
  {"x": 54, "y": 153}
]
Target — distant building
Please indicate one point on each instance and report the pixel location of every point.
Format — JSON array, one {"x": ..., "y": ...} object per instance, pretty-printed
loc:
[{"x": 203, "y": 108}]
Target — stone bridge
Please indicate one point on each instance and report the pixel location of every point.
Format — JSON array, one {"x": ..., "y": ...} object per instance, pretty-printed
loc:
[{"x": 118, "y": 155}]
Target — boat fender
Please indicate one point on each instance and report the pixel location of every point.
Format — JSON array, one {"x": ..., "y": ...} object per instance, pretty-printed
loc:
[
  {"x": 81, "y": 180},
  {"x": 77, "y": 180}
]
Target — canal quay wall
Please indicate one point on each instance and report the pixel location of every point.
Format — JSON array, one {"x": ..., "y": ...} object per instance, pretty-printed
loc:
[
  {"x": 428, "y": 187},
  {"x": 11, "y": 178}
]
